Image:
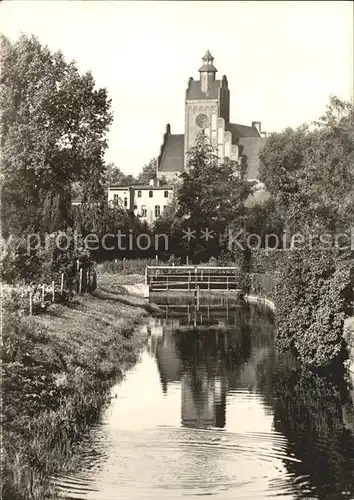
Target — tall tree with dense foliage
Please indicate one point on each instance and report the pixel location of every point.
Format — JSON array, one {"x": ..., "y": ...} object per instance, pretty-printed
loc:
[
  {"x": 310, "y": 171},
  {"x": 148, "y": 172},
  {"x": 313, "y": 297},
  {"x": 310, "y": 175},
  {"x": 53, "y": 126},
  {"x": 115, "y": 176},
  {"x": 210, "y": 198}
]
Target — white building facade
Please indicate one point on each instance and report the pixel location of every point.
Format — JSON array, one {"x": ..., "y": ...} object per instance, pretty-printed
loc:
[{"x": 146, "y": 202}]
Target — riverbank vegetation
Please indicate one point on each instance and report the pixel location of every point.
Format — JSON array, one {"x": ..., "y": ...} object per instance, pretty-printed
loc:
[
  {"x": 57, "y": 371},
  {"x": 58, "y": 363}
]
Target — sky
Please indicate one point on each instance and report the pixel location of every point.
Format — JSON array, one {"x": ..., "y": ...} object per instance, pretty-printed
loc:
[{"x": 282, "y": 59}]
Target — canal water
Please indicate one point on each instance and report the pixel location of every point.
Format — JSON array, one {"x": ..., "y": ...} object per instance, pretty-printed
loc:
[{"x": 212, "y": 409}]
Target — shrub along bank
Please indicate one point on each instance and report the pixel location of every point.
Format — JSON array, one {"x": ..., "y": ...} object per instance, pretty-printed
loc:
[
  {"x": 57, "y": 371},
  {"x": 313, "y": 292}
]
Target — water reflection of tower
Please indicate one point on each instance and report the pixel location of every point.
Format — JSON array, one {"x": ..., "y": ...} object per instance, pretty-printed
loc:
[
  {"x": 201, "y": 358},
  {"x": 203, "y": 400},
  {"x": 163, "y": 348}
]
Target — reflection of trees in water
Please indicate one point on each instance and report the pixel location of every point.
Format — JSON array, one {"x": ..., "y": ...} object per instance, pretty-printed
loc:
[
  {"x": 208, "y": 358},
  {"x": 218, "y": 351},
  {"x": 308, "y": 411},
  {"x": 308, "y": 407},
  {"x": 209, "y": 362}
]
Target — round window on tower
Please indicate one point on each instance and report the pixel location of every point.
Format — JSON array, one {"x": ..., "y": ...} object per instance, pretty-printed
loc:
[{"x": 202, "y": 121}]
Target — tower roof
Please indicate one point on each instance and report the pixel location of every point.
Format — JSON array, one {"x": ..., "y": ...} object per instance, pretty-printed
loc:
[
  {"x": 208, "y": 63},
  {"x": 208, "y": 56}
]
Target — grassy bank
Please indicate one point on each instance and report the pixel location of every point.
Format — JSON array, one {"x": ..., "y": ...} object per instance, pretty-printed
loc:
[
  {"x": 57, "y": 371},
  {"x": 114, "y": 282},
  {"x": 125, "y": 267}
]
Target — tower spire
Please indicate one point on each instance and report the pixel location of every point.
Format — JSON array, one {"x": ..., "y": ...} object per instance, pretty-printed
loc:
[
  {"x": 208, "y": 65},
  {"x": 207, "y": 72}
]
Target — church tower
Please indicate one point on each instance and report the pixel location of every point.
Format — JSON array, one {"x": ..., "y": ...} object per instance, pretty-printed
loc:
[{"x": 207, "y": 107}]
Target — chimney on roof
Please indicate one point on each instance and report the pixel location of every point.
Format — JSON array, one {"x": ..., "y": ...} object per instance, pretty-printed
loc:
[{"x": 257, "y": 126}]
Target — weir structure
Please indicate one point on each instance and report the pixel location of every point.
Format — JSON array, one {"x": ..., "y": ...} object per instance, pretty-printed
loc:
[
  {"x": 192, "y": 278},
  {"x": 202, "y": 280}
]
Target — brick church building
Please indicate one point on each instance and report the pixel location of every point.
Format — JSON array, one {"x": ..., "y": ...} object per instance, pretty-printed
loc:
[{"x": 207, "y": 108}]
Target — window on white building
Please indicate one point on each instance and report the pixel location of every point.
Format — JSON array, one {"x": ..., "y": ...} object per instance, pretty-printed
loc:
[
  {"x": 115, "y": 197},
  {"x": 125, "y": 202},
  {"x": 166, "y": 194},
  {"x": 164, "y": 207},
  {"x": 151, "y": 194},
  {"x": 143, "y": 211},
  {"x": 139, "y": 194},
  {"x": 157, "y": 210}
]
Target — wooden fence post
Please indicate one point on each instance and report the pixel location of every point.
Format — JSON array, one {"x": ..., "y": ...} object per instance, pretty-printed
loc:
[
  {"x": 30, "y": 302},
  {"x": 53, "y": 291},
  {"x": 62, "y": 283},
  {"x": 80, "y": 283}
]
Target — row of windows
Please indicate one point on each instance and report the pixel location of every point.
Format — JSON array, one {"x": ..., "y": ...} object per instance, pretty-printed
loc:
[
  {"x": 143, "y": 207},
  {"x": 157, "y": 210},
  {"x": 151, "y": 194}
]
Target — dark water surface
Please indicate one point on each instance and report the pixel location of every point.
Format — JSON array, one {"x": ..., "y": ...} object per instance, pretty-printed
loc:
[{"x": 212, "y": 409}]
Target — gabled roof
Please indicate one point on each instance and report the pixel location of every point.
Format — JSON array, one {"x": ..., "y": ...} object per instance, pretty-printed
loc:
[
  {"x": 238, "y": 131},
  {"x": 172, "y": 157},
  {"x": 194, "y": 91}
]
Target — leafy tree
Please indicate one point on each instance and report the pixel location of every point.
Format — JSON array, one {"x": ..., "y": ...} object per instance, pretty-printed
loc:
[
  {"x": 118, "y": 178},
  {"x": 329, "y": 169},
  {"x": 148, "y": 172},
  {"x": 53, "y": 125},
  {"x": 313, "y": 296},
  {"x": 307, "y": 171},
  {"x": 210, "y": 196},
  {"x": 282, "y": 167},
  {"x": 264, "y": 219},
  {"x": 170, "y": 225},
  {"x": 310, "y": 175}
]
